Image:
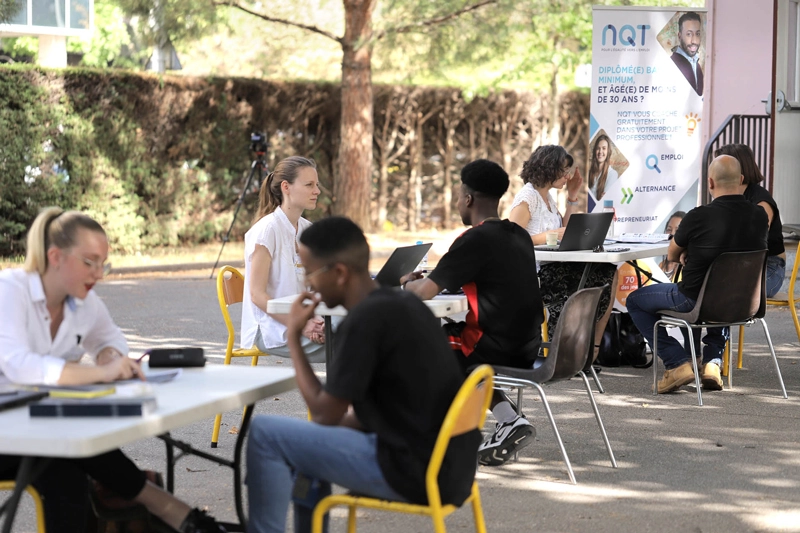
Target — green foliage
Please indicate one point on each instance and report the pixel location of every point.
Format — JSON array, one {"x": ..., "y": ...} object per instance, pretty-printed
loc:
[
  {"x": 32, "y": 170},
  {"x": 509, "y": 44},
  {"x": 180, "y": 20},
  {"x": 8, "y": 8},
  {"x": 20, "y": 48},
  {"x": 111, "y": 43},
  {"x": 86, "y": 140}
]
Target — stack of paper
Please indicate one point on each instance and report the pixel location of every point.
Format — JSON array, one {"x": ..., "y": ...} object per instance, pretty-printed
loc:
[{"x": 643, "y": 238}]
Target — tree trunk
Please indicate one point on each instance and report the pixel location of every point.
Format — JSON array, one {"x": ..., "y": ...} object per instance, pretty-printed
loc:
[
  {"x": 351, "y": 190},
  {"x": 413, "y": 168}
]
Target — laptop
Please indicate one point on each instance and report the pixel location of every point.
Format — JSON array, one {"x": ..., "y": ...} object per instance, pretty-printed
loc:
[
  {"x": 585, "y": 231},
  {"x": 402, "y": 261}
]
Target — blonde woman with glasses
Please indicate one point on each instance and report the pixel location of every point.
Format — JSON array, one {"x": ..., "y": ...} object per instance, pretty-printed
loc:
[{"x": 49, "y": 318}]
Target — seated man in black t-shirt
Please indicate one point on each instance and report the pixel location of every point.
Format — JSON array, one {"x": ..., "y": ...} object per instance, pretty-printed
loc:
[
  {"x": 728, "y": 224},
  {"x": 494, "y": 263},
  {"x": 377, "y": 417}
]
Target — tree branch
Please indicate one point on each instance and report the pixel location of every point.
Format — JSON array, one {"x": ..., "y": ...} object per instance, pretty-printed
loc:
[
  {"x": 313, "y": 29},
  {"x": 434, "y": 21}
]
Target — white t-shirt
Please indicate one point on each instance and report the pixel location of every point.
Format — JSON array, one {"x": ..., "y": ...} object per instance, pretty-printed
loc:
[
  {"x": 28, "y": 353},
  {"x": 286, "y": 275}
]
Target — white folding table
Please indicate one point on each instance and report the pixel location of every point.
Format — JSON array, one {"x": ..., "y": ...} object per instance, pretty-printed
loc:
[
  {"x": 634, "y": 252},
  {"x": 197, "y": 394},
  {"x": 441, "y": 306}
]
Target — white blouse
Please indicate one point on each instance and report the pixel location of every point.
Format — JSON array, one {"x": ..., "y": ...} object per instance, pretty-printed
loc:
[
  {"x": 286, "y": 274},
  {"x": 544, "y": 216},
  {"x": 29, "y": 355}
]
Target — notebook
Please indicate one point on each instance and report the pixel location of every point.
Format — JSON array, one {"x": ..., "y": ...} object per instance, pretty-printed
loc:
[
  {"x": 402, "y": 261},
  {"x": 585, "y": 231},
  {"x": 98, "y": 407}
]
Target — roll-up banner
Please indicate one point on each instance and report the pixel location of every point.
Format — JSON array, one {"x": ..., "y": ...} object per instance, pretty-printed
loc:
[{"x": 646, "y": 110}]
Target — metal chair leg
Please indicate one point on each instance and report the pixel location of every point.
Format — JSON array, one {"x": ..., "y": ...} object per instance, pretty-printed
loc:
[
  {"x": 599, "y": 420},
  {"x": 549, "y": 413},
  {"x": 774, "y": 357},
  {"x": 596, "y": 379},
  {"x": 693, "y": 353},
  {"x": 693, "y": 356}
]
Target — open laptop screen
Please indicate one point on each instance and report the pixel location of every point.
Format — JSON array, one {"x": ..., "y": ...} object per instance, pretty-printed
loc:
[{"x": 402, "y": 261}]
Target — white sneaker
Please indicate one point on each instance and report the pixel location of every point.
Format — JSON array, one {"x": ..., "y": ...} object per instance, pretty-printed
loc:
[{"x": 507, "y": 439}]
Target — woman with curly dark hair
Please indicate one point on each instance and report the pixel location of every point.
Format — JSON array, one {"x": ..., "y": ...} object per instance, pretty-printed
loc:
[
  {"x": 535, "y": 209},
  {"x": 776, "y": 254}
]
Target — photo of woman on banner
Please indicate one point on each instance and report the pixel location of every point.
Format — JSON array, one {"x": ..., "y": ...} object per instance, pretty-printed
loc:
[
  {"x": 687, "y": 46},
  {"x": 602, "y": 174}
]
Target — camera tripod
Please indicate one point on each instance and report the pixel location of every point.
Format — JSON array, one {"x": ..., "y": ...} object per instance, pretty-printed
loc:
[{"x": 258, "y": 170}]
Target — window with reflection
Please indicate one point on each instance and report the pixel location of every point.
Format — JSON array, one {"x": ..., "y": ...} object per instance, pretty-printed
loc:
[
  {"x": 50, "y": 13},
  {"x": 79, "y": 12},
  {"x": 21, "y": 15}
]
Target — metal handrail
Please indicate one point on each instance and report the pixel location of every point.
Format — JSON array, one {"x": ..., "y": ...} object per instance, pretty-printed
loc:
[{"x": 752, "y": 130}]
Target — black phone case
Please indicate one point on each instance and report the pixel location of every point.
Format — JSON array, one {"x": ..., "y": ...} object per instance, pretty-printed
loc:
[{"x": 176, "y": 357}]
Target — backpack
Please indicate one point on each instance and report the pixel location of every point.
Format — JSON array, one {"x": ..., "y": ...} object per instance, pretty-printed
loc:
[{"x": 622, "y": 343}]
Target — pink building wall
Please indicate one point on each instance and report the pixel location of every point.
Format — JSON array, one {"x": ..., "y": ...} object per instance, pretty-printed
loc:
[{"x": 739, "y": 73}]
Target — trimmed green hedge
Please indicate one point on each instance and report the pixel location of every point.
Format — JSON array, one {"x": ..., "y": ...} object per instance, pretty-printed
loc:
[{"x": 162, "y": 160}]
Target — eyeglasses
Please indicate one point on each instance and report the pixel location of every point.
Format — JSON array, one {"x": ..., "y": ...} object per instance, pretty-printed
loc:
[
  {"x": 105, "y": 268},
  {"x": 318, "y": 271}
]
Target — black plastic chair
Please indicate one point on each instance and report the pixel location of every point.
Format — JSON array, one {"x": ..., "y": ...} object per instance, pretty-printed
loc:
[
  {"x": 733, "y": 294},
  {"x": 571, "y": 348}
]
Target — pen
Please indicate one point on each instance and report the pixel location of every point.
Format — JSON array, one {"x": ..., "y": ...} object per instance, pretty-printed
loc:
[{"x": 146, "y": 352}]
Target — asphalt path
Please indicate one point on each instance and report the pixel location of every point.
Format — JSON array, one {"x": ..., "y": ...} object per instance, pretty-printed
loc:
[{"x": 730, "y": 466}]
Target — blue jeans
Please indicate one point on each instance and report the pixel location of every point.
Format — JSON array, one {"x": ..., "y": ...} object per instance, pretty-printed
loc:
[
  {"x": 776, "y": 272},
  {"x": 643, "y": 305},
  {"x": 280, "y": 447}
]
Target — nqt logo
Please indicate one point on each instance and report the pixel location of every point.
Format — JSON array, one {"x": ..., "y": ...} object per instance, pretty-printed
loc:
[{"x": 626, "y": 34}]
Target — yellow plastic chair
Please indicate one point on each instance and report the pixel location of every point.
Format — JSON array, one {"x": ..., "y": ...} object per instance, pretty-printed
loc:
[
  {"x": 37, "y": 502},
  {"x": 467, "y": 412},
  {"x": 781, "y": 299},
  {"x": 230, "y": 290}
]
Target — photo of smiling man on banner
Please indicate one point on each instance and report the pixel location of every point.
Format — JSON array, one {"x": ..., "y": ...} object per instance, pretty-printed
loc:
[{"x": 688, "y": 54}]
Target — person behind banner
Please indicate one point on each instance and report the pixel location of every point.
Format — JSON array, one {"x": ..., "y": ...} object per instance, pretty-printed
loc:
[
  {"x": 535, "y": 209},
  {"x": 730, "y": 223},
  {"x": 494, "y": 262},
  {"x": 753, "y": 191},
  {"x": 50, "y": 318},
  {"x": 685, "y": 55},
  {"x": 375, "y": 421},
  {"x": 667, "y": 266},
  {"x": 601, "y": 175}
]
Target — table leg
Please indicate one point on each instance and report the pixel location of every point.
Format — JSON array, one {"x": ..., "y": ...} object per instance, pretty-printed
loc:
[
  {"x": 237, "y": 465},
  {"x": 170, "y": 463},
  {"x": 585, "y": 276},
  {"x": 328, "y": 341},
  {"x": 639, "y": 271}
]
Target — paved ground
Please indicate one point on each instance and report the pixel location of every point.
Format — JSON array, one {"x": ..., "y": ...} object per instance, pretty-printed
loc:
[{"x": 731, "y": 466}]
